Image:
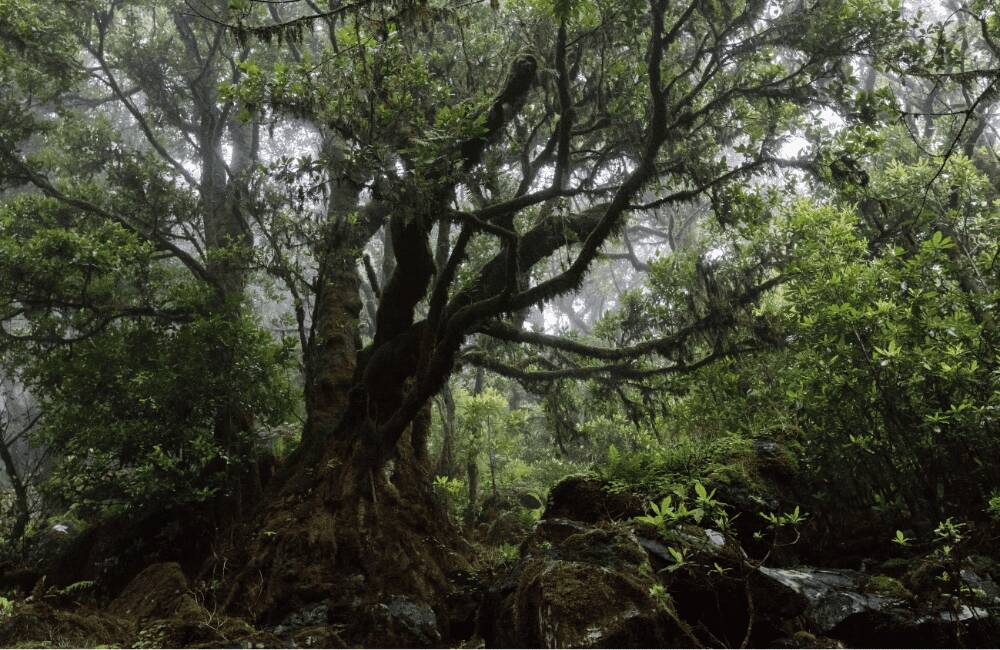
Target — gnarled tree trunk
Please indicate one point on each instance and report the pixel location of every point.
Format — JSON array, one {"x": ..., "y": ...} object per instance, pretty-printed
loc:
[
  {"x": 354, "y": 524},
  {"x": 342, "y": 529}
]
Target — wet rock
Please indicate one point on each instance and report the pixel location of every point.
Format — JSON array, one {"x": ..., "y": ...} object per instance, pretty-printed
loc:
[
  {"x": 982, "y": 585},
  {"x": 832, "y": 596},
  {"x": 714, "y": 602},
  {"x": 873, "y": 611},
  {"x": 400, "y": 623},
  {"x": 719, "y": 604},
  {"x": 311, "y": 615},
  {"x": 656, "y": 550},
  {"x": 903, "y": 628},
  {"x": 586, "y": 498}
]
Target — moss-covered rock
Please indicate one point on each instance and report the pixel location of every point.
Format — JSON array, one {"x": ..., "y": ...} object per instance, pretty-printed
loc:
[
  {"x": 578, "y": 586},
  {"x": 922, "y": 575},
  {"x": 804, "y": 639},
  {"x": 37, "y": 624},
  {"x": 547, "y": 533},
  {"x": 887, "y": 586},
  {"x": 895, "y": 567},
  {"x": 561, "y": 603},
  {"x": 508, "y": 528},
  {"x": 582, "y": 497},
  {"x": 159, "y": 591}
]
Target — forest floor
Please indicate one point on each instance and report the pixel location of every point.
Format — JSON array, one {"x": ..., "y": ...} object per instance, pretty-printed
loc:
[{"x": 594, "y": 567}]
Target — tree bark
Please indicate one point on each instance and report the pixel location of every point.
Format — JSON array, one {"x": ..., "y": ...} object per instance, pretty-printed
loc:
[
  {"x": 472, "y": 474},
  {"x": 21, "y": 507},
  {"x": 446, "y": 465}
]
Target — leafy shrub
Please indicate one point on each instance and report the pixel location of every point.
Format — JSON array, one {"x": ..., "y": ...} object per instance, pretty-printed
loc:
[
  {"x": 670, "y": 467},
  {"x": 993, "y": 507},
  {"x": 452, "y": 494},
  {"x": 134, "y": 411}
]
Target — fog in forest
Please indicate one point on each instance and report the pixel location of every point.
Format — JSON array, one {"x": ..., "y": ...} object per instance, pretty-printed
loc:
[{"x": 499, "y": 323}]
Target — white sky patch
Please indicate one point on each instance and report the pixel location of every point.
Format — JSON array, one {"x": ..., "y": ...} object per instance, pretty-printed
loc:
[
  {"x": 715, "y": 254},
  {"x": 794, "y": 147}
]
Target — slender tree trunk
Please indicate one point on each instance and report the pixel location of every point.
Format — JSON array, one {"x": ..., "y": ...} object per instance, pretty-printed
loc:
[
  {"x": 227, "y": 239},
  {"x": 491, "y": 454},
  {"x": 446, "y": 465},
  {"x": 472, "y": 477},
  {"x": 21, "y": 507}
]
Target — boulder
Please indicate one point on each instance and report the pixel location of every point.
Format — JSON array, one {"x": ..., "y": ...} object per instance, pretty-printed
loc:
[
  {"x": 159, "y": 591},
  {"x": 902, "y": 627},
  {"x": 115, "y": 550},
  {"x": 547, "y": 532},
  {"x": 529, "y": 500},
  {"x": 578, "y": 586},
  {"x": 560, "y": 603},
  {"x": 719, "y": 603},
  {"x": 508, "y": 528},
  {"x": 585, "y": 498},
  {"x": 18, "y": 579},
  {"x": 400, "y": 622},
  {"x": 865, "y": 611},
  {"x": 831, "y": 596}
]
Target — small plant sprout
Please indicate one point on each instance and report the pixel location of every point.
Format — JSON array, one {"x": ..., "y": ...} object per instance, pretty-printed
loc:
[
  {"x": 659, "y": 593},
  {"x": 949, "y": 531},
  {"x": 659, "y": 514},
  {"x": 679, "y": 559},
  {"x": 719, "y": 569},
  {"x": 793, "y": 518}
]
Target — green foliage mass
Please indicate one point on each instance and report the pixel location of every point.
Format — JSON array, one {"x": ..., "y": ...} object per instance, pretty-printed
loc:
[
  {"x": 839, "y": 302},
  {"x": 134, "y": 411},
  {"x": 888, "y": 364},
  {"x": 130, "y": 364}
]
